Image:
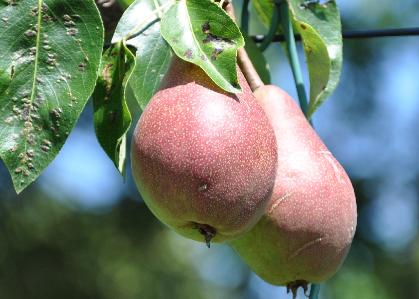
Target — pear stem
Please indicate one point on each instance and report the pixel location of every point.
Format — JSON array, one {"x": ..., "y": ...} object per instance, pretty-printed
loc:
[
  {"x": 246, "y": 65},
  {"x": 249, "y": 71}
]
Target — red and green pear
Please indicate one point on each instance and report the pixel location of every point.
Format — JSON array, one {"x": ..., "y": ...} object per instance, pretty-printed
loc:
[
  {"x": 307, "y": 229},
  {"x": 204, "y": 160}
]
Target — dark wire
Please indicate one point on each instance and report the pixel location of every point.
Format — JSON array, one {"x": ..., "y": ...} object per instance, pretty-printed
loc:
[
  {"x": 356, "y": 34},
  {"x": 349, "y": 34}
]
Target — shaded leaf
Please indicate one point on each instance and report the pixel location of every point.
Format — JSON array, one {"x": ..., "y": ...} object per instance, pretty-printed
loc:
[
  {"x": 321, "y": 32},
  {"x": 112, "y": 117},
  {"x": 201, "y": 32},
  {"x": 258, "y": 59},
  {"x": 320, "y": 29},
  {"x": 49, "y": 56},
  {"x": 264, "y": 10}
]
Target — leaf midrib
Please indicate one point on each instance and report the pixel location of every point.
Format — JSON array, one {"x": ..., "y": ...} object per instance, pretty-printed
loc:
[{"x": 38, "y": 41}]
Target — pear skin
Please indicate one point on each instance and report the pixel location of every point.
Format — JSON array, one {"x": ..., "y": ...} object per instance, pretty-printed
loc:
[
  {"x": 310, "y": 221},
  {"x": 204, "y": 160}
]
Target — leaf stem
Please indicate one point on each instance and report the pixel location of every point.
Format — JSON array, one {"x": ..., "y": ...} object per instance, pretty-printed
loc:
[
  {"x": 272, "y": 30},
  {"x": 245, "y": 17},
  {"x": 314, "y": 291},
  {"x": 282, "y": 6}
]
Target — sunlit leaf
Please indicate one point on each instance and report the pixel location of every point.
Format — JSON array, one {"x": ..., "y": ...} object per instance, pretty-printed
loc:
[
  {"x": 49, "y": 56},
  {"x": 264, "y": 10},
  {"x": 153, "y": 54},
  {"x": 201, "y": 32}
]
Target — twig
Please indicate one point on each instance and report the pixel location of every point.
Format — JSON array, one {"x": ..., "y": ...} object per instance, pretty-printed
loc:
[{"x": 249, "y": 71}]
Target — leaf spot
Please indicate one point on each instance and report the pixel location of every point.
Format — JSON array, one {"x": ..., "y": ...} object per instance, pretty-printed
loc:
[
  {"x": 12, "y": 2},
  {"x": 9, "y": 120},
  {"x": 30, "y": 33},
  {"x": 219, "y": 42},
  {"x": 189, "y": 54},
  {"x": 206, "y": 28},
  {"x": 72, "y": 31},
  {"x": 69, "y": 24},
  {"x": 203, "y": 57},
  {"x": 67, "y": 18},
  {"x": 82, "y": 67},
  {"x": 215, "y": 53}
]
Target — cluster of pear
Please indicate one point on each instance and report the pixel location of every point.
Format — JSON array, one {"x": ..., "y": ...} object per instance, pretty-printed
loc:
[{"x": 247, "y": 169}]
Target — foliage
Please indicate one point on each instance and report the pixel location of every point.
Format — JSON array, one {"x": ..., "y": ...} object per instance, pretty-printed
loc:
[
  {"x": 140, "y": 27},
  {"x": 112, "y": 116},
  {"x": 320, "y": 30},
  {"x": 51, "y": 61},
  {"x": 48, "y": 69}
]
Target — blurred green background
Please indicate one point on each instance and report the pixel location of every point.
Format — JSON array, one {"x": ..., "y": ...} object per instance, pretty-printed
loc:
[{"x": 82, "y": 232}]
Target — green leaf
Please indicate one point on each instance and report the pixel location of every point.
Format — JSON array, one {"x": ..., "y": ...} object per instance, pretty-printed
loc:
[
  {"x": 320, "y": 28},
  {"x": 264, "y": 10},
  {"x": 153, "y": 60},
  {"x": 49, "y": 56},
  {"x": 139, "y": 16},
  {"x": 258, "y": 59},
  {"x": 125, "y": 3},
  {"x": 201, "y": 32},
  {"x": 112, "y": 117},
  {"x": 153, "y": 54}
]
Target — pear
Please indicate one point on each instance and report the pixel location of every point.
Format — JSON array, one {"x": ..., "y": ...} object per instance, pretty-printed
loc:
[
  {"x": 204, "y": 160},
  {"x": 310, "y": 221}
]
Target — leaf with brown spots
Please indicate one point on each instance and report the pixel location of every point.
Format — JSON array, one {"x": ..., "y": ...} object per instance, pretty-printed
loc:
[
  {"x": 201, "y": 32},
  {"x": 112, "y": 117},
  {"x": 49, "y": 56}
]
